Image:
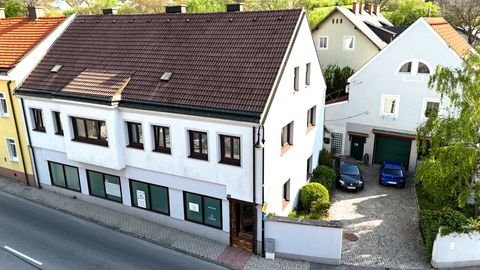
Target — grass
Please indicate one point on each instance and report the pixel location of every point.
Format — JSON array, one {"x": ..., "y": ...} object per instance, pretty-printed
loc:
[{"x": 316, "y": 15}]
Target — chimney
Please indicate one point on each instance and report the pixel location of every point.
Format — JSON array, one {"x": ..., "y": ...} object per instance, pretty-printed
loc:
[
  {"x": 176, "y": 9},
  {"x": 236, "y": 7},
  {"x": 35, "y": 12},
  {"x": 371, "y": 9},
  {"x": 355, "y": 8},
  {"x": 2, "y": 13},
  {"x": 109, "y": 11},
  {"x": 360, "y": 8},
  {"x": 377, "y": 9}
]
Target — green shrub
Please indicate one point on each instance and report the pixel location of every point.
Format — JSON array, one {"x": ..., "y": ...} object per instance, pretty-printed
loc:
[
  {"x": 325, "y": 158},
  {"x": 312, "y": 192},
  {"x": 319, "y": 208},
  {"x": 324, "y": 175}
]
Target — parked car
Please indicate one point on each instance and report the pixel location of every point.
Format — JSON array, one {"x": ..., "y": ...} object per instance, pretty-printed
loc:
[
  {"x": 392, "y": 173},
  {"x": 349, "y": 176}
]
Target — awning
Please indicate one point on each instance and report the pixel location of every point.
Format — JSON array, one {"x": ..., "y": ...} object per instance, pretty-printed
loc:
[
  {"x": 358, "y": 134},
  {"x": 394, "y": 133}
]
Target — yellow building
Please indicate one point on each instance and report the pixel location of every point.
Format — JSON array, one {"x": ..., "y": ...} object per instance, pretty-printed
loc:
[{"x": 23, "y": 43}]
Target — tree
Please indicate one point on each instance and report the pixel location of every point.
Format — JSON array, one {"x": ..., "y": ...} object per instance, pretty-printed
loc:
[
  {"x": 408, "y": 11},
  {"x": 454, "y": 155},
  {"x": 336, "y": 79},
  {"x": 13, "y": 8},
  {"x": 463, "y": 14}
]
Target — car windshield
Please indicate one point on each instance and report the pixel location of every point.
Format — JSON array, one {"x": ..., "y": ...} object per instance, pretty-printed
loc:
[
  {"x": 349, "y": 169},
  {"x": 394, "y": 172}
]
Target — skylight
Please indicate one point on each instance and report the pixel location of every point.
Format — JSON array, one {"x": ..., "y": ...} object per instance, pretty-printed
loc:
[
  {"x": 56, "y": 68},
  {"x": 166, "y": 76}
]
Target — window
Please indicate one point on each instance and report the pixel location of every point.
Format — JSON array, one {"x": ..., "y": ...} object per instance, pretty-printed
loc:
[
  {"x": 311, "y": 117},
  {"x": 64, "y": 176},
  {"x": 58, "y": 123},
  {"x": 90, "y": 131},
  {"x": 423, "y": 68},
  {"x": 406, "y": 68},
  {"x": 390, "y": 105},
  {"x": 307, "y": 74},
  {"x": 198, "y": 145},
  {"x": 431, "y": 109},
  {"x": 296, "y": 85},
  {"x": 202, "y": 209},
  {"x": 161, "y": 139},
  {"x": 3, "y": 106},
  {"x": 12, "y": 150},
  {"x": 286, "y": 190},
  {"x": 309, "y": 167},
  {"x": 336, "y": 143},
  {"x": 323, "y": 43},
  {"x": 38, "y": 120},
  {"x": 104, "y": 186},
  {"x": 349, "y": 43},
  {"x": 230, "y": 150},
  {"x": 135, "y": 135},
  {"x": 287, "y": 136},
  {"x": 150, "y": 197}
]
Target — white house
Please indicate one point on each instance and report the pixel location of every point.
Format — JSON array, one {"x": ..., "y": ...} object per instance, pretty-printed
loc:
[
  {"x": 181, "y": 118},
  {"x": 389, "y": 97}
]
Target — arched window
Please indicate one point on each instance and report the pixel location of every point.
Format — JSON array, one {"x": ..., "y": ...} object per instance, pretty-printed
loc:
[
  {"x": 406, "y": 68},
  {"x": 423, "y": 68}
]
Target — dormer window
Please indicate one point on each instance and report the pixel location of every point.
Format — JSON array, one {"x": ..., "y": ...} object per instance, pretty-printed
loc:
[
  {"x": 406, "y": 68},
  {"x": 423, "y": 68}
]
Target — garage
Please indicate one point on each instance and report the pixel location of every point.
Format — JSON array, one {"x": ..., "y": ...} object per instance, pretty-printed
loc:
[{"x": 388, "y": 147}]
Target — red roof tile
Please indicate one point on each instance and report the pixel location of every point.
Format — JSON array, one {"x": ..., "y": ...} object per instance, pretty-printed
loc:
[
  {"x": 450, "y": 35},
  {"x": 19, "y": 35},
  {"x": 226, "y": 61}
]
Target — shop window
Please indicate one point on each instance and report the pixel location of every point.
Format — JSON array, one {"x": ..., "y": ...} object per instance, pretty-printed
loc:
[
  {"x": 202, "y": 209},
  {"x": 150, "y": 197},
  {"x": 64, "y": 176},
  {"x": 104, "y": 186}
]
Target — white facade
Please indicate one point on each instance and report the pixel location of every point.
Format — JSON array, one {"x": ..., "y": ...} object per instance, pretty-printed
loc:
[
  {"x": 177, "y": 171},
  {"x": 374, "y": 86}
]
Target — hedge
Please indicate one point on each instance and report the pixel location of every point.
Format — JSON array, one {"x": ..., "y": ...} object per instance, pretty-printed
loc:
[
  {"x": 324, "y": 175},
  {"x": 313, "y": 192}
]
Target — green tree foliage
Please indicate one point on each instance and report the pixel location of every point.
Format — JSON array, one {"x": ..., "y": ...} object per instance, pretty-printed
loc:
[
  {"x": 325, "y": 158},
  {"x": 13, "y": 8},
  {"x": 94, "y": 7},
  {"x": 206, "y": 5},
  {"x": 406, "y": 12},
  {"x": 336, "y": 79},
  {"x": 312, "y": 192},
  {"x": 324, "y": 175},
  {"x": 446, "y": 173}
]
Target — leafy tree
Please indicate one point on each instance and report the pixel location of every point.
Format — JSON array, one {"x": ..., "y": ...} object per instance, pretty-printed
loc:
[
  {"x": 464, "y": 14},
  {"x": 13, "y": 8},
  {"x": 407, "y": 12},
  {"x": 206, "y": 6},
  {"x": 336, "y": 79},
  {"x": 94, "y": 7},
  {"x": 454, "y": 154}
]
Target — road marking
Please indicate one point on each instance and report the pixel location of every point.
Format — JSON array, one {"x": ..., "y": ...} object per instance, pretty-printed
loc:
[{"x": 22, "y": 255}]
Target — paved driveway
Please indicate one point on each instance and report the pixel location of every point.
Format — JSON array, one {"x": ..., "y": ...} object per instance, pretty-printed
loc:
[{"x": 385, "y": 220}]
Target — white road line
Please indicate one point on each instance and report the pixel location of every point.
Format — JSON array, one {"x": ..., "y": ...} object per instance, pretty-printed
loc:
[{"x": 22, "y": 255}]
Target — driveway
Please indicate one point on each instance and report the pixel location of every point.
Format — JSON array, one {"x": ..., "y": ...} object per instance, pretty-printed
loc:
[{"x": 380, "y": 225}]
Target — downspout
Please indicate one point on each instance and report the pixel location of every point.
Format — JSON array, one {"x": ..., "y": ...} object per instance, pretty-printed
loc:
[
  {"x": 255, "y": 214},
  {"x": 263, "y": 190},
  {"x": 32, "y": 152},
  {"x": 9, "y": 89}
]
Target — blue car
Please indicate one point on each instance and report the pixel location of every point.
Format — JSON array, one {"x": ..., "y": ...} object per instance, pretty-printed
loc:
[{"x": 392, "y": 173}]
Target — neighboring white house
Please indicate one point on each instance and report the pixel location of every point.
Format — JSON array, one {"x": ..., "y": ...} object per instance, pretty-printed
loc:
[
  {"x": 351, "y": 37},
  {"x": 184, "y": 117},
  {"x": 389, "y": 97}
]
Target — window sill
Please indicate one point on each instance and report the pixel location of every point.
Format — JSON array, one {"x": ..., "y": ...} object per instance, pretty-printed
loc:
[
  {"x": 285, "y": 148},
  {"x": 136, "y": 146},
  {"x": 39, "y": 130},
  {"x": 310, "y": 127},
  {"x": 14, "y": 160},
  {"x": 4, "y": 115},
  {"x": 230, "y": 162},
  {"x": 284, "y": 204},
  {"x": 89, "y": 141},
  {"x": 59, "y": 133},
  {"x": 163, "y": 150},
  {"x": 199, "y": 156}
]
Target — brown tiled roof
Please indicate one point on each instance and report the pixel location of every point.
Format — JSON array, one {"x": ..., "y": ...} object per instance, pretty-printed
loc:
[
  {"x": 227, "y": 61},
  {"x": 19, "y": 35},
  {"x": 450, "y": 35}
]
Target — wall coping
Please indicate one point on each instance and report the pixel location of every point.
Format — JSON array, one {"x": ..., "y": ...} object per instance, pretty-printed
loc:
[{"x": 312, "y": 222}]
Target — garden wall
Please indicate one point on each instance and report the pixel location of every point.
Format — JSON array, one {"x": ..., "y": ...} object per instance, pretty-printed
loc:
[
  {"x": 308, "y": 240},
  {"x": 456, "y": 250}
]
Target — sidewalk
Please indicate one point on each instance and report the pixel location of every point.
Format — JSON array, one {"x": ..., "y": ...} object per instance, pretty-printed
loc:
[{"x": 174, "y": 239}]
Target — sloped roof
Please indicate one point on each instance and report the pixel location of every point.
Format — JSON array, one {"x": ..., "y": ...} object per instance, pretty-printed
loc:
[
  {"x": 220, "y": 61},
  {"x": 19, "y": 35},
  {"x": 450, "y": 35}
]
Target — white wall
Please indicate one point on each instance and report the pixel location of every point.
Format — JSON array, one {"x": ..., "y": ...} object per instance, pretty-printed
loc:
[
  {"x": 310, "y": 242},
  {"x": 456, "y": 250},
  {"x": 290, "y": 105}
]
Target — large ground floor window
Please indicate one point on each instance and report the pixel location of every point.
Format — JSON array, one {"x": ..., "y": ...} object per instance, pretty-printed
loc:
[
  {"x": 104, "y": 186},
  {"x": 150, "y": 197},
  {"x": 64, "y": 176},
  {"x": 203, "y": 209}
]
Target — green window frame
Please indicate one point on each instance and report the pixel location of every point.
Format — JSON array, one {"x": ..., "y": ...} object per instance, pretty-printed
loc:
[
  {"x": 64, "y": 176},
  {"x": 103, "y": 185},
  {"x": 156, "y": 198},
  {"x": 203, "y": 209}
]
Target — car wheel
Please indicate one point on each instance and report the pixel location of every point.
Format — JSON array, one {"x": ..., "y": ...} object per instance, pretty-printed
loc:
[
  {"x": 402, "y": 185},
  {"x": 380, "y": 182}
]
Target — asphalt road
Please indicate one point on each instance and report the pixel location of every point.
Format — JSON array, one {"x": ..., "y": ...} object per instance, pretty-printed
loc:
[{"x": 54, "y": 240}]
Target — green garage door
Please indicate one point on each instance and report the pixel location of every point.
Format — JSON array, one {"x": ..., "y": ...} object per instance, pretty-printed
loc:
[{"x": 392, "y": 148}]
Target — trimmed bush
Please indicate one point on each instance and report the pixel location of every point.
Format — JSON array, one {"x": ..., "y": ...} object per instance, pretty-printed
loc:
[
  {"x": 324, "y": 175},
  {"x": 312, "y": 192},
  {"x": 319, "y": 209},
  {"x": 325, "y": 158}
]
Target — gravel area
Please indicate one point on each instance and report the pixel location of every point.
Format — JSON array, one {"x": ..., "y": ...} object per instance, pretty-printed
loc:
[{"x": 385, "y": 221}]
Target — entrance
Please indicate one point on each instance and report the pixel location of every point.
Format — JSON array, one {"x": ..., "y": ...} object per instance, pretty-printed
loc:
[
  {"x": 242, "y": 225},
  {"x": 356, "y": 147}
]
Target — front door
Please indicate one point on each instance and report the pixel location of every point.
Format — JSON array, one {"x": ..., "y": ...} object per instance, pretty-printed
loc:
[
  {"x": 242, "y": 224},
  {"x": 356, "y": 148}
]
